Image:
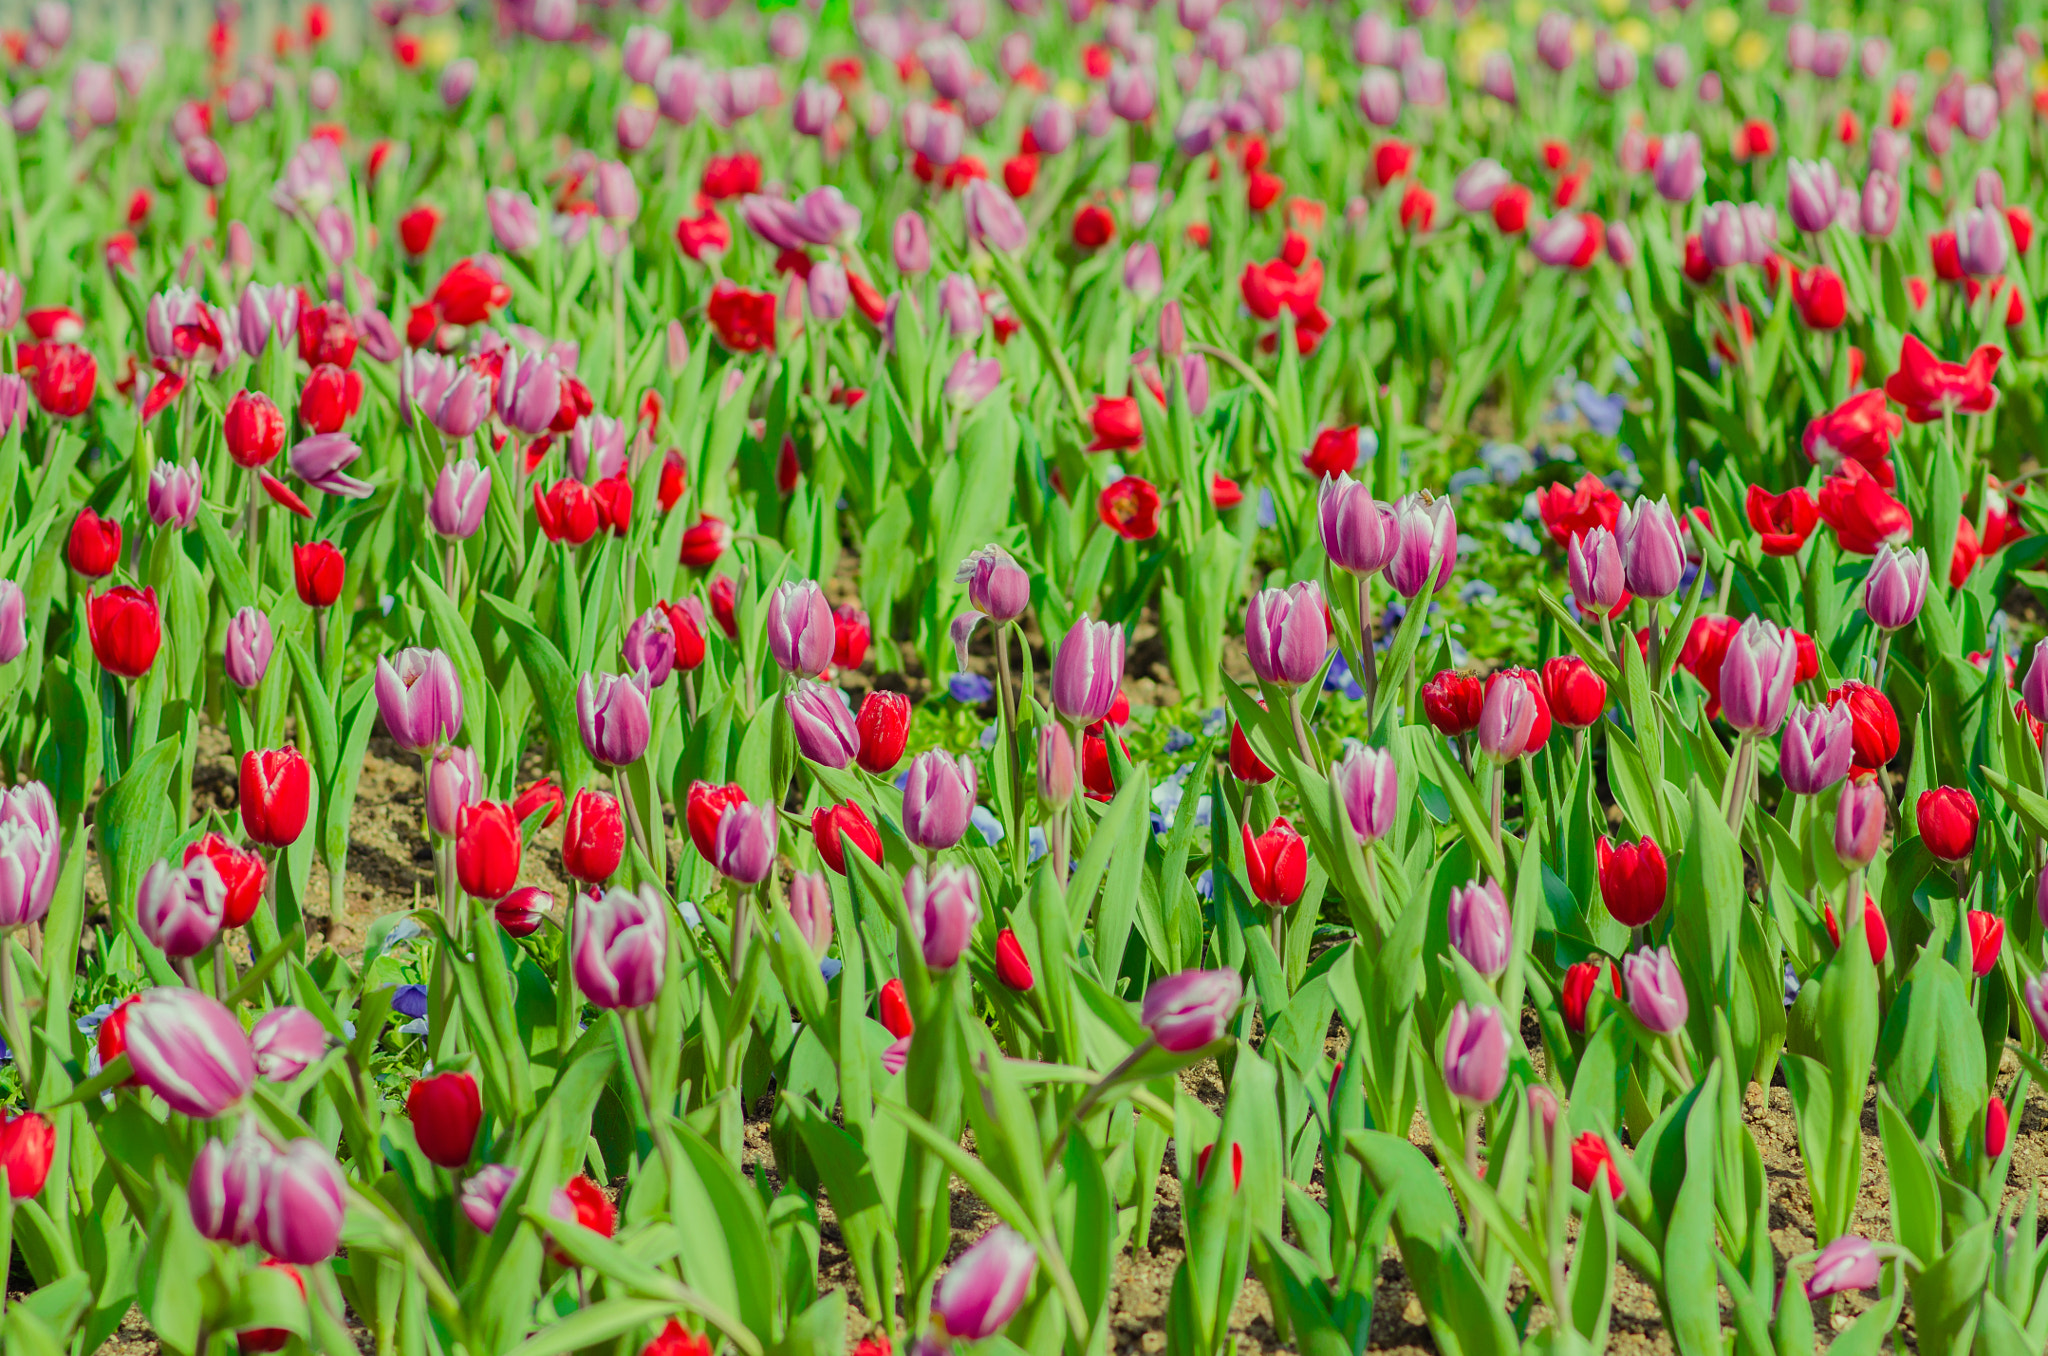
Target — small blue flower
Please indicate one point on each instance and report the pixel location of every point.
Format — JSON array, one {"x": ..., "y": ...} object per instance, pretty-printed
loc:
[
  {"x": 416, "y": 1027},
  {"x": 410, "y": 1000},
  {"x": 1339, "y": 679},
  {"x": 1178, "y": 739},
  {"x": 1477, "y": 591},
  {"x": 1468, "y": 477},
  {"x": 830, "y": 968},
  {"x": 404, "y": 930},
  {"x": 1268, "y": 515},
  {"x": 1038, "y": 846},
  {"x": 970, "y": 688},
  {"x": 1205, "y": 884},
  {"x": 991, "y": 828},
  {"x": 1216, "y": 722},
  {"x": 989, "y": 736},
  {"x": 1792, "y": 985},
  {"x": 90, "y": 1022},
  {"x": 1520, "y": 536},
  {"x": 1506, "y": 462},
  {"x": 691, "y": 918}
]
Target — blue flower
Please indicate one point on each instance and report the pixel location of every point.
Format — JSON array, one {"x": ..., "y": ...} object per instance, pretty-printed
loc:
[
  {"x": 1339, "y": 679},
  {"x": 90, "y": 1022},
  {"x": 410, "y": 1000},
  {"x": 1507, "y": 462},
  {"x": 830, "y": 968},
  {"x": 991, "y": 828},
  {"x": 1205, "y": 884},
  {"x": 970, "y": 688},
  {"x": 1216, "y": 722},
  {"x": 1038, "y": 846},
  {"x": 1268, "y": 515},
  {"x": 1178, "y": 739}
]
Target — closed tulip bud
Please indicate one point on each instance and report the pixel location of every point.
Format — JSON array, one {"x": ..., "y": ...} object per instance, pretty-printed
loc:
[
  {"x": 1878, "y": 213},
  {"x": 612, "y": 715},
  {"x": 31, "y": 854},
  {"x": 515, "y": 221},
  {"x": 1652, "y": 549},
  {"x": 743, "y": 845},
  {"x": 833, "y": 827},
  {"x": 190, "y": 1051},
  {"x": 1621, "y": 244},
  {"x": 910, "y": 245},
  {"x": 985, "y": 1288},
  {"x": 1508, "y": 720},
  {"x": 1593, "y": 565},
  {"x": 1859, "y": 823},
  {"x": 826, "y": 732},
  {"x": 620, "y": 947},
  {"x": 1286, "y": 635},
  {"x": 225, "y": 1190},
  {"x": 960, "y": 304},
  {"x": 1144, "y": 277},
  {"x": 883, "y": 727},
  {"x": 800, "y": 630},
  {"x": 938, "y": 799},
  {"x": 594, "y": 838},
  {"x": 1982, "y": 243},
  {"x": 1812, "y": 191},
  {"x": 249, "y": 645},
  {"x": 1848, "y": 1263},
  {"x": 1895, "y": 588},
  {"x": 1275, "y": 864},
  {"x": 94, "y": 547},
  {"x": 276, "y": 794},
  {"x": 254, "y": 428},
  {"x": 1368, "y": 785},
  {"x": 1575, "y": 996},
  {"x": 1088, "y": 671},
  {"x": 318, "y": 572},
  {"x": 1757, "y": 677},
  {"x": 810, "y": 905},
  {"x": 2036, "y": 996},
  {"x": 2034, "y": 686},
  {"x": 1656, "y": 994},
  {"x": 1191, "y": 1009},
  {"x": 1947, "y": 820},
  {"x": 649, "y": 649},
  {"x": 1987, "y": 935},
  {"x": 1592, "y": 1160},
  {"x": 287, "y": 1041},
  {"x": 1575, "y": 694},
  {"x": 522, "y": 912},
  {"x": 1425, "y": 551},
  {"x": 1475, "y": 1066},
  {"x": 1357, "y": 530},
  {"x": 1633, "y": 878},
  {"x": 303, "y": 1202},
  {"x": 993, "y": 221},
  {"x": 419, "y": 697},
  {"x": 13, "y": 621},
  {"x": 1481, "y": 928},
  {"x": 1055, "y": 767},
  {"x": 484, "y": 1192},
  {"x": 1818, "y": 748},
  {"x": 1681, "y": 170},
  {"x": 174, "y": 493},
  {"x": 997, "y": 586},
  {"x": 1013, "y": 967},
  {"x": 179, "y": 908},
  {"x": 1454, "y": 702},
  {"x": 445, "y": 1110},
  {"x": 944, "y": 905}
]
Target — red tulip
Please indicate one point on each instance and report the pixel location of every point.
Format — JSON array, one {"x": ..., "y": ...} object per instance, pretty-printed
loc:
[
  {"x": 1130, "y": 508},
  {"x": 895, "y": 1010},
  {"x": 254, "y": 428},
  {"x": 743, "y": 320},
  {"x": 1568, "y": 513},
  {"x": 1098, "y": 780},
  {"x": 1948, "y": 258},
  {"x": 1576, "y": 994},
  {"x": 545, "y": 792},
  {"x": 1575, "y": 694},
  {"x": 1020, "y": 175},
  {"x": 850, "y": 637},
  {"x": 1590, "y": 1159},
  {"x": 1783, "y": 521},
  {"x": 723, "y": 595},
  {"x": 1633, "y": 877},
  {"x": 1391, "y": 160},
  {"x": 1094, "y": 227},
  {"x": 567, "y": 512},
  {"x": 1862, "y": 512},
  {"x": 613, "y": 499},
  {"x": 125, "y": 629},
  {"x": 829, "y": 822},
  {"x": 594, "y": 839},
  {"x": 1012, "y": 967},
  {"x": 676, "y": 1340},
  {"x": 1929, "y": 388},
  {"x": 318, "y": 570},
  {"x": 1859, "y": 429},
  {"x": 330, "y": 398},
  {"x": 240, "y": 869},
  {"x": 1875, "y": 724},
  {"x": 1262, "y": 188},
  {"x": 1276, "y": 863},
  {"x": 276, "y": 794},
  {"x": 445, "y": 1110},
  {"x": 1875, "y": 934},
  {"x": 94, "y": 548},
  {"x": 1539, "y": 733},
  {"x": 1965, "y": 554},
  {"x": 703, "y": 807},
  {"x": 326, "y": 334},
  {"x": 1236, "y": 1164},
  {"x": 730, "y": 176},
  {"x": 704, "y": 541},
  {"x": 1224, "y": 493},
  {"x": 1947, "y": 817},
  {"x": 884, "y": 726},
  {"x": 1245, "y": 763},
  {"x": 1116, "y": 424},
  {"x": 686, "y": 624},
  {"x": 1418, "y": 209},
  {"x": 487, "y": 849},
  {"x": 27, "y": 1144},
  {"x": 1818, "y": 296},
  {"x": 416, "y": 230},
  {"x": 61, "y": 376},
  {"x": 1997, "y": 1126},
  {"x": 1335, "y": 452},
  {"x": 1453, "y": 701},
  {"x": 468, "y": 293},
  {"x": 706, "y": 235},
  {"x": 1511, "y": 209},
  {"x": 1987, "y": 934}
]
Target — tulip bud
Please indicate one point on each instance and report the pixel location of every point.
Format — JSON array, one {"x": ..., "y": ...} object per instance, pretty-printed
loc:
[
  {"x": 612, "y": 715},
  {"x": 179, "y": 908},
  {"x": 997, "y": 586},
  {"x": 225, "y": 1190},
  {"x": 1275, "y": 864},
  {"x": 1425, "y": 532},
  {"x": 419, "y": 697},
  {"x": 287, "y": 1041},
  {"x": 1633, "y": 879},
  {"x": 484, "y": 1192},
  {"x": 594, "y": 838},
  {"x": 1286, "y": 635},
  {"x": 1656, "y": 994},
  {"x": 1848, "y": 1263},
  {"x": 452, "y": 782},
  {"x": 1575, "y": 694},
  {"x": 1947, "y": 819},
  {"x": 1055, "y": 767},
  {"x": 1859, "y": 824},
  {"x": 1895, "y": 587},
  {"x": 249, "y": 646},
  {"x": 620, "y": 946},
  {"x": 276, "y": 795},
  {"x": 190, "y": 1051},
  {"x": 810, "y": 905},
  {"x": 743, "y": 844},
  {"x": 303, "y": 1200},
  {"x": 938, "y": 799},
  {"x": 445, "y": 1110},
  {"x": 944, "y": 906},
  {"x": 1368, "y": 785},
  {"x": 2034, "y": 686},
  {"x": 1508, "y": 720},
  {"x": 1475, "y": 1064},
  {"x": 984, "y": 1289},
  {"x": 1191, "y": 1009},
  {"x": 1013, "y": 968},
  {"x": 1652, "y": 551},
  {"x": 1818, "y": 748},
  {"x": 1088, "y": 671},
  {"x": 1481, "y": 928}
]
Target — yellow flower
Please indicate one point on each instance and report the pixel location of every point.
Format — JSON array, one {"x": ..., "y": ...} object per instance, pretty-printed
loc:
[
  {"x": 1752, "y": 50},
  {"x": 1614, "y": 9},
  {"x": 1720, "y": 26},
  {"x": 1071, "y": 93},
  {"x": 1527, "y": 12},
  {"x": 1634, "y": 32}
]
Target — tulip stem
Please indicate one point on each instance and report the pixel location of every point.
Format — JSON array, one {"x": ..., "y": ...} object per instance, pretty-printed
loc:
[
  {"x": 1096, "y": 1092},
  {"x": 1735, "y": 793},
  {"x": 1674, "y": 1056},
  {"x": 741, "y": 1016},
  {"x": 1884, "y": 645},
  {"x": 633, "y": 816},
  {"x": 1013, "y": 763},
  {"x": 252, "y": 534},
  {"x": 1301, "y": 739},
  {"x": 1368, "y": 662},
  {"x": 190, "y": 974},
  {"x": 1474, "y": 1166},
  {"x": 10, "y": 1013}
]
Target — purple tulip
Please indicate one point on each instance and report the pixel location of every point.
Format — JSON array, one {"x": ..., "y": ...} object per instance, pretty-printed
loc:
[
  {"x": 1506, "y": 719},
  {"x": 1052, "y": 127},
  {"x": 179, "y": 907},
  {"x": 1818, "y": 748},
  {"x": 1614, "y": 66},
  {"x": 420, "y": 698},
  {"x": 190, "y": 1051},
  {"x": 2034, "y": 686},
  {"x": 1481, "y": 928},
  {"x": 949, "y": 64},
  {"x": 649, "y": 649},
  {"x": 938, "y": 799},
  {"x": 484, "y": 1192},
  {"x": 1554, "y": 41},
  {"x": 264, "y": 312},
  {"x": 1656, "y": 993},
  {"x": 1759, "y": 231},
  {"x": 464, "y": 405},
  {"x": 1497, "y": 78},
  {"x": 1133, "y": 93},
  {"x": 810, "y": 907},
  {"x": 970, "y": 380},
  {"x": 1088, "y": 671},
  {"x": 31, "y": 854},
  {"x": 12, "y": 298},
  {"x": 1055, "y": 767},
  {"x": 1475, "y": 1066},
  {"x": 1721, "y": 235},
  {"x": 944, "y": 905},
  {"x": 174, "y": 493},
  {"x": 1848, "y": 1263},
  {"x": 529, "y": 392},
  {"x": 249, "y": 645},
  {"x": 993, "y": 221},
  {"x": 641, "y": 54},
  {"x": 1286, "y": 635},
  {"x": 1556, "y": 242},
  {"x": 1425, "y": 532},
  {"x": 800, "y": 628},
  {"x": 960, "y": 302},
  {"x": 1756, "y": 677},
  {"x": 1812, "y": 191},
  {"x": 205, "y": 162},
  {"x": 1671, "y": 65},
  {"x": 997, "y": 585},
  {"x": 984, "y": 1289},
  {"x": 303, "y": 1202},
  {"x": 743, "y": 849},
  {"x": 815, "y": 106},
  {"x": 911, "y": 245},
  {"x": 287, "y": 1041},
  {"x": 1888, "y": 150},
  {"x": 1369, "y": 787},
  {"x": 322, "y": 461},
  {"x": 621, "y": 947},
  {"x": 1981, "y": 242},
  {"x": 1988, "y": 189},
  {"x": 1652, "y": 551},
  {"x": 1144, "y": 276},
  {"x": 823, "y": 216},
  {"x": 612, "y": 716},
  {"x": 515, "y": 221},
  {"x": 2037, "y": 1000},
  {"x": 1482, "y": 181},
  {"x": 13, "y": 621},
  {"x": 25, "y": 112},
  {"x": 1191, "y": 1009},
  {"x": 1379, "y": 97},
  {"x": 452, "y": 782},
  {"x": 95, "y": 95},
  {"x": 1879, "y": 210},
  {"x": 597, "y": 448},
  {"x": 1895, "y": 588},
  {"x": 1979, "y": 114},
  {"x": 1859, "y": 823},
  {"x": 51, "y": 21},
  {"x": 1681, "y": 170},
  {"x": 788, "y": 36},
  {"x": 825, "y": 730},
  {"x": 461, "y": 494},
  {"x": 225, "y": 1191},
  {"x": 1594, "y": 568},
  {"x": 14, "y": 403}
]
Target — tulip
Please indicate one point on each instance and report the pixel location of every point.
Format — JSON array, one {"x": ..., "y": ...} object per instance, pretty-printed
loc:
[
  {"x": 522, "y": 912},
  {"x": 1425, "y": 532},
  {"x": 1895, "y": 587},
  {"x": 1191, "y": 1009},
  {"x": 826, "y": 731},
  {"x": 1929, "y": 388},
  {"x": 322, "y": 462},
  {"x": 1656, "y": 994},
  {"x": 1873, "y": 724},
  {"x": 1055, "y": 767},
  {"x": 318, "y": 571},
  {"x": 242, "y": 874},
  {"x": 984, "y": 1289},
  {"x": 1275, "y": 864},
  {"x": 249, "y": 646},
  {"x": 810, "y": 906},
  {"x": 1576, "y": 994},
  {"x": 1286, "y": 635},
  {"x": 286, "y": 1042},
  {"x": 1982, "y": 242},
  {"x": 1848, "y": 1263},
  {"x": 1680, "y": 167},
  {"x": 1818, "y": 748},
  {"x": 419, "y": 697},
  {"x": 1812, "y": 194},
  {"x": 944, "y": 906},
  {"x": 1144, "y": 276},
  {"x": 1357, "y": 530},
  {"x": 2036, "y": 996},
  {"x": 1479, "y": 184},
  {"x": 254, "y": 428},
  {"x": 179, "y": 908},
  {"x": 94, "y": 547},
  {"x": 1757, "y": 677},
  {"x": 446, "y": 1110},
  {"x": 1947, "y": 820},
  {"x": 13, "y": 621},
  {"x": 1575, "y": 694},
  {"x": 743, "y": 843},
  {"x": 276, "y": 792},
  {"x": 800, "y": 631},
  {"x": 1859, "y": 824},
  {"x": 583, "y": 1203},
  {"x": 594, "y": 839},
  {"x": 621, "y": 947},
  {"x": 1088, "y": 671},
  {"x": 1652, "y": 549},
  {"x": 938, "y": 798},
  {"x": 1509, "y": 718},
  {"x": 225, "y": 1190},
  {"x": 174, "y": 493},
  {"x": 612, "y": 716},
  {"x": 1455, "y": 703},
  {"x": 834, "y": 826},
  {"x": 1475, "y": 1062},
  {"x": 1481, "y": 928},
  {"x": 31, "y": 853},
  {"x": 462, "y": 492},
  {"x": 190, "y": 1051},
  {"x": 997, "y": 586},
  {"x": 303, "y": 1199},
  {"x": 484, "y": 1192},
  {"x": 1591, "y": 1160},
  {"x": 1367, "y": 784},
  {"x": 993, "y": 221},
  {"x": 1633, "y": 878},
  {"x": 1987, "y": 935},
  {"x": 487, "y": 846}
]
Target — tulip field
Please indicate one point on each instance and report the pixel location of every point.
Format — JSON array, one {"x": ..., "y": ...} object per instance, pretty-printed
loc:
[{"x": 1194, "y": 676}]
